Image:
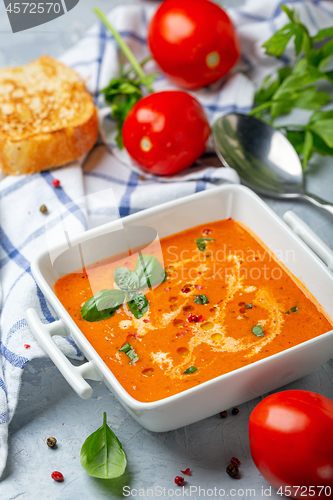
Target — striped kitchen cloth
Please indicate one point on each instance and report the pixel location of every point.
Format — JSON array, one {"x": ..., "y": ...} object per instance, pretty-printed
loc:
[{"x": 22, "y": 225}]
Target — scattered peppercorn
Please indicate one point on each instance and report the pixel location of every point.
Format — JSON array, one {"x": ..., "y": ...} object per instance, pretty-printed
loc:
[
  {"x": 223, "y": 414},
  {"x": 27, "y": 346},
  {"x": 235, "y": 411},
  {"x": 235, "y": 461},
  {"x": 232, "y": 470},
  {"x": 51, "y": 442},
  {"x": 193, "y": 318},
  {"x": 56, "y": 183},
  {"x": 186, "y": 289},
  {"x": 179, "y": 480},
  {"x": 57, "y": 476},
  {"x": 43, "y": 209}
]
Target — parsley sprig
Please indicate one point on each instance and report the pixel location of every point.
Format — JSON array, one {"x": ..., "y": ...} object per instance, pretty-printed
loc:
[
  {"x": 131, "y": 85},
  {"x": 296, "y": 87}
]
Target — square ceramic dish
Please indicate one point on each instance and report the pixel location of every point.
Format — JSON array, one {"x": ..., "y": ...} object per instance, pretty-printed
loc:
[{"x": 227, "y": 390}]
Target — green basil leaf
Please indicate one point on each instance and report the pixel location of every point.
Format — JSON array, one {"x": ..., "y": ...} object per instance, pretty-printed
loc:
[
  {"x": 126, "y": 279},
  {"x": 248, "y": 306},
  {"x": 201, "y": 299},
  {"x": 294, "y": 309},
  {"x": 149, "y": 271},
  {"x": 137, "y": 303},
  {"x": 102, "y": 454},
  {"x": 102, "y": 305},
  {"x": 201, "y": 243},
  {"x": 191, "y": 369},
  {"x": 324, "y": 128},
  {"x": 258, "y": 331}
]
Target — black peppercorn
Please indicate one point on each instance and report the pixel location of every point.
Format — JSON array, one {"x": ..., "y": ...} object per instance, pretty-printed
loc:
[
  {"x": 235, "y": 411},
  {"x": 223, "y": 414},
  {"x": 232, "y": 470},
  {"x": 51, "y": 442}
]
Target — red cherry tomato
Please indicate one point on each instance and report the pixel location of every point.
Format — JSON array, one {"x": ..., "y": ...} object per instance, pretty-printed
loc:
[
  {"x": 166, "y": 132},
  {"x": 291, "y": 440},
  {"x": 194, "y": 42}
]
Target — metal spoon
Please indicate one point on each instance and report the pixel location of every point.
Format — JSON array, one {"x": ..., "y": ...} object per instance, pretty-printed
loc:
[{"x": 263, "y": 157}]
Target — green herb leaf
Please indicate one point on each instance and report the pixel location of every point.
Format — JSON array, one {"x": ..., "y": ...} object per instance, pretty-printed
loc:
[
  {"x": 201, "y": 243},
  {"x": 294, "y": 309},
  {"x": 137, "y": 303},
  {"x": 248, "y": 306},
  {"x": 149, "y": 271},
  {"x": 102, "y": 454},
  {"x": 126, "y": 279},
  {"x": 324, "y": 129},
  {"x": 324, "y": 33},
  {"x": 127, "y": 347},
  {"x": 307, "y": 148},
  {"x": 129, "y": 351},
  {"x": 258, "y": 331},
  {"x": 296, "y": 137},
  {"x": 201, "y": 299},
  {"x": 102, "y": 305},
  {"x": 191, "y": 369}
]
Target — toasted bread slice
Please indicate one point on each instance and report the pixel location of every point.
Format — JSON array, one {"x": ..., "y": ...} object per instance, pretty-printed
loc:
[{"x": 47, "y": 118}]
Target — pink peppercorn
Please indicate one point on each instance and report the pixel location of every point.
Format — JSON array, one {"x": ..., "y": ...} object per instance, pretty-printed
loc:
[
  {"x": 56, "y": 183},
  {"x": 57, "y": 476},
  {"x": 179, "y": 480}
]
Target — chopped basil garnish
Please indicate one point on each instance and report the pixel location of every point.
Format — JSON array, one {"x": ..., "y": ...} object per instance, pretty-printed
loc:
[
  {"x": 258, "y": 331},
  {"x": 148, "y": 273},
  {"x": 191, "y": 369},
  {"x": 248, "y": 306},
  {"x": 292, "y": 309},
  {"x": 127, "y": 347},
  {"x": 201, "y": 243},
  {"x": 129, "y": 351},
  {"x": 201, "y": 299}
]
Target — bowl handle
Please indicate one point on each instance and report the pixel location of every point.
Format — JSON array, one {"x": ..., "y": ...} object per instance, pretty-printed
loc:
[
  {"x": 310, "y": 238},
  {"x": 75, "y": 375}
]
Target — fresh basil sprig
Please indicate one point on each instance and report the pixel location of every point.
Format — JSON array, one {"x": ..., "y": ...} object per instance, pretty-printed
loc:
[
  {"x": 102, "y": 454},
  {"x": 102, "y": 305},
  {"x": 148, "y": 273},
  {"x": 296, "y": 87}
]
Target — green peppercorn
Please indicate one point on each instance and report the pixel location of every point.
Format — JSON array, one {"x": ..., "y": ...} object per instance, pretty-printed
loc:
[
  {"x": 51, "y": 442},
  {"x": 232, "y": 470}
]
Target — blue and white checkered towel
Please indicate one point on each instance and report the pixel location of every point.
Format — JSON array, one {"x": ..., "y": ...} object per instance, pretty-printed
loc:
[{"x": 22, "y": 224}]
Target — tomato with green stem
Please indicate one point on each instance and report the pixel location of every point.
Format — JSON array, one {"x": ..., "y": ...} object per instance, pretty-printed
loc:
[
  {"x": 194, "y": 42},
  {"x": 166, "y": 132},
  {"x": 291, "y": 441}
]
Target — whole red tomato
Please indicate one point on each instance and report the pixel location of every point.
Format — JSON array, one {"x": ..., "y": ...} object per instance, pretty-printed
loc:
[
  {"x": 166, "y": 132},
  {"x": 291, "y": 440},
  {"x": 194, "y": 42}
]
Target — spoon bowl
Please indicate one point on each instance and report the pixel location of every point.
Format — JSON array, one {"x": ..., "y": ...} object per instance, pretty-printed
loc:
[{"x": 263, "y": 157}]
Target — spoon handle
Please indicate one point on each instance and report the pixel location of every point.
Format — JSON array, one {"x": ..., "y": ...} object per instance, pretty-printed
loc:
[{"x": 319, "y": 202}]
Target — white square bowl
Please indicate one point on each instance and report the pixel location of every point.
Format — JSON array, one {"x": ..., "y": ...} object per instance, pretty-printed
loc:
[{"x": 227, "y": 390}]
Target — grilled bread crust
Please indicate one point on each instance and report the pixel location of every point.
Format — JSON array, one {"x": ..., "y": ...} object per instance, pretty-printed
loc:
[{"x": 47, "y": 118}]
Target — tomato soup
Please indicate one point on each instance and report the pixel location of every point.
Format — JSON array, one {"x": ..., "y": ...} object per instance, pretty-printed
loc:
[{"x": 226, "y": 302}]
